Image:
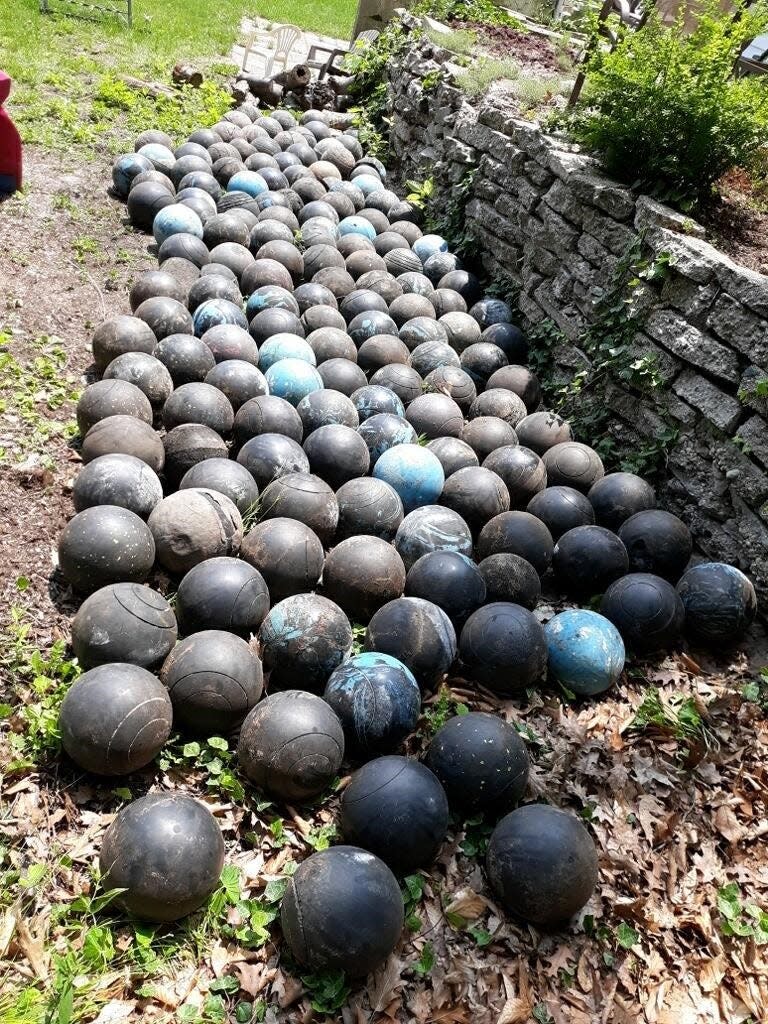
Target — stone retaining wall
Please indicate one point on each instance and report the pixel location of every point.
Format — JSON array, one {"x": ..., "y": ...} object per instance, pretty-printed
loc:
[{"x": 549, "y": 222}]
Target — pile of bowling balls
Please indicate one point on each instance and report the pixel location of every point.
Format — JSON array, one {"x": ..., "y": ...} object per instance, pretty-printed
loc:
[{"x": 313, "y": 419}]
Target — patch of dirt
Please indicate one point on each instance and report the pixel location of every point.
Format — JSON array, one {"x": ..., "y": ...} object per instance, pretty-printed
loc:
[
  {"x": 738, "y": 221},
  {"x": 535, "y": 53}
]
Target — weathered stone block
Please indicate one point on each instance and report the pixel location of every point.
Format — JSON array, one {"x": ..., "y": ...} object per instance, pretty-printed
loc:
[
  {"x": 556, "y": 234},
  {"x": 568, "y": 318},
  {"x": 600, "y": 191},
  {"x": 592, "y": 250},
  {"x": 613, "y": 235},
  {"x": 507, "y": 173},
  {"x": 537, "y": 174},
  {"x": 682, "y": 339},
  {"x": 754, "y": 378},
  {"x": 745, "y": 285},
  {"x": 720, "y": 408},
  {"x": 691, "y": 257},
  {"x": 530, "y": 309},
  {"x": 666, "y": 365},
  {"x": 565, "y": 163},
  {"x": 741, "y": 327},
  {"x": 754, "y": 434},
  {"x": 649, "y": 213},
  {"x": 562, "y": 199},
  {"x": 487, "y": 190},
  {"x": 692, "y": 299}
]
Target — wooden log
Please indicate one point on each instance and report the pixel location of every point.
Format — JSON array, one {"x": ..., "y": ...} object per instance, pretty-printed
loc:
[
  {"x": 185, "y": 74},
  {"x": 153, "y": 88}
]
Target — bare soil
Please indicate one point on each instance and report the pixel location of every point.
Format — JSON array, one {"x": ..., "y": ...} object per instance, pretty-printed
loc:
[
  {"x": 673, "y": 821},
  {"x": 737, "y": 222}
]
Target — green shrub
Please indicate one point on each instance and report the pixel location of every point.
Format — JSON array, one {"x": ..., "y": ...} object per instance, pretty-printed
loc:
[
  {"x": 663, "y": 109},
  {"x": 484, "y": 12}
]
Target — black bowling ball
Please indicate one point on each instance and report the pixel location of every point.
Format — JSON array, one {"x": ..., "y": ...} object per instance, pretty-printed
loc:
[
  {"x": 192, "y": 525},
  {"x": 384, "y": 431},
  {"x": 368, "y": 507},
  {"x": 361, "y": 574},
  {"x": 309, "y": 295},
  {"x": 267, "y": 414},
  {"x": 304, "y": 637},
  {"x": 486, "y": 434},
  {"x": 417, "y": 633},
  {"x": 337, "y": 454},
  {"x": 287, "y": 554},
  {"x": 618, "y": 496},
  {"x": 228, "y": 341},
  {"x": 520, "y": 380},
  {"x": 120, "y": 480},
  {"x": 145, "y": 201},
  {"x": 541, "y": 431},
  {"x": 380, "y": 351},
  {"x": 269, "y": 456},
  {"x": 331, "y": 343},
  {"x": 118, "y": 335},
  {"x": 186, "y": 247},
  {"x": 451, "y": 581},
  {"x": 481, "y": 360},
  {"x": 481, "y": 762},
  {"x": 165, "y": 316},
  {"x": 212, "y": 286},
  {"x": 396, "y": 808},
  {"x": 477, "y": 494},
  {"x": 226, "y": 477},
  {"x": 374, "y": 399},
  {"x": 359, "y": 301},
  {"x": 522, "y": 471},
  {"x": 214, "y": 679},
  {"x": 320, "y": 408},
  {"x": 463, "y": 282},
  {"x": 202, "y": 403},
  {"x": 719, "y": 601},
  {"x": 124, "y": 435},
  {"x": 657, "y": 542},
  {"x": 124, "y": 622},
  {"x": 511, "y": 578},
  {"x": 341, "y": 375},
  {"x": 587, "y": 559},
  {"x": 186, "y": 358},
  {"x": 239, "y": 381},
  {"x": 304, "y": 497},
  {"x": 503, "y": 647},
  {"x": 115, "y": 719},
  {"x": 103, "y": 545},
  {"x": 404, "y": 381},
  {"x": 450, "y": 380},
  {"x": 154, "y": 282},
  {"x": 510, "y": 339},
  {"x": 291, "y": 745},
  {"x": 453, "y": 454},
  {"x": 222, "y": 594},
  {"x": 571, "y": 464},
  {"x": 561, "y": 509},
  {"x": 517, "y": 533},
  {"x": 188, "y": 445},
  {"x": 144, "y": 371},
  {"x": 342, "y": 911},
  {"x": 542, "y": 864},
  {"x": 166, "y": 852},
  {"x": 646, "y": 610},
  {"x": 435, "y": 415}
]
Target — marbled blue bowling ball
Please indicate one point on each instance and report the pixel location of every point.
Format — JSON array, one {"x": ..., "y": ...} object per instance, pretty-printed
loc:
[
  {"x": 414, "y": 472},
  {"x": 585, "y": 651},
  {"x": 270, "y": 296},
  {"x": 383, "y": 431},
  {"x": 719, "y": 601},
  {"x": 293, "y": 379},
  {"x": 377, "y": 700},
  {"x": 161, "y": 158},
  {"x": 249, "y": 182},
  {"x": 374, "y": 399},
  {"x": 303, "y": 639},
  {"x": 285, "y": 346},
  {"x": 432, "y": 528},
  {"x": 213, "y": 312},
  {"x": 428, "y": 245},
  {"x": 176, "y": 220},
  {"x": 357, "y": 226},
  {"x": 491, "y": 311},
  {"x": 126, "y": 168},
  {"x": 368, "y": 183}
]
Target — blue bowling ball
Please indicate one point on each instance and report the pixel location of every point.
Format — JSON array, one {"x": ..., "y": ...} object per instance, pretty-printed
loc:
[
  {"x": 585, "y": 651},
  {"x": 357, "y": 226},
  {"x": 383, "y": 431},
  {"x": 249, "y": 182},
  {"x": 270, "y": 296},
  {"x": 374, "y": 399},
  {"x": 126, "y": 168},
  {"x": 213, "y": 312},
  {"x": 285, "y": 346},
  {"x": 293, "y": 379},
  {"x": 303, "y": 639},
  {"x": 428, "y": 245},
  {"x": 161, "y": 158},
  {"x": 719, "y": 602},
  {"x": 368, "y": 183},
  {"x": 491, "y": 311},
  {"x": 414, "y": 472},
  {"x": 176, "y": 219},
  {"x": 377, "y": 700}
]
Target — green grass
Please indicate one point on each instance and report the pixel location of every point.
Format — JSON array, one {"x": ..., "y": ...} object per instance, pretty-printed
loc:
[{"x": 66, "y": 69}]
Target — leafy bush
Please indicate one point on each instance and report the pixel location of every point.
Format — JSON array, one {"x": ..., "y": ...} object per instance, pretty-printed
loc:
[
  {"x": 663, "y": 109},
  {"x": 485, "y": 12}
]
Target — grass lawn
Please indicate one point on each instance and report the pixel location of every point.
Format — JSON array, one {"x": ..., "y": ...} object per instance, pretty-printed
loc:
[{"x": 68, "y": 91}]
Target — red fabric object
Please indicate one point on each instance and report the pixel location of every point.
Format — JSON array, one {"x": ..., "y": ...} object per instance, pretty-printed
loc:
[{"x": 10, "y": 143}]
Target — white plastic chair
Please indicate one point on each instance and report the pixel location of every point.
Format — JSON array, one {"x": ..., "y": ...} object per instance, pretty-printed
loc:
[{"x": 285, "y": 38}]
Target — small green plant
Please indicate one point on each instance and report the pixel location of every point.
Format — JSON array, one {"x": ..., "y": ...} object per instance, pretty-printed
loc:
[
  {"x": 477, "y": 832},
  {"x": 438, "y": 713},
  {"x": 677, "y": 716},
  {"x": 432, "y": 79},
  {"x": 328, "y": 990},
  {"x": 704, "y": 121},
  {"x": 482, "y": 73},
  {"x": 461, "y": 41},
  {"x": 84, "y": 247},
  {"x": 484, "y": 12},
  {"x": 413, "y": 892},
  {"x": 741, "y": 920},
  {"x": 426, "y": 961},
  {"x": 420, "y": 192},
  {"x": 211, "y": 757},
  {"x": 756, "y": 691}
]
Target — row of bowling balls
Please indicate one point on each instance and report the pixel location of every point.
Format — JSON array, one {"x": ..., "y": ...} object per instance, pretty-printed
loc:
[{"x": 298, "y": 299}]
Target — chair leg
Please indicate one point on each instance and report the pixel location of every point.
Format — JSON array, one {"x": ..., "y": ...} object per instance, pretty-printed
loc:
[{"x": 268, "y": 66}]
